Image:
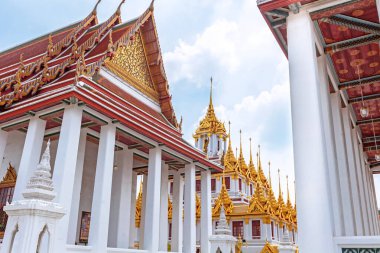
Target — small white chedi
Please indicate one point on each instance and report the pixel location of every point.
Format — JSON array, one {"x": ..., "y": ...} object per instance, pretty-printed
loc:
[
  {"x": 32, "y": 220},
  {"x": 222, "y": 240}
]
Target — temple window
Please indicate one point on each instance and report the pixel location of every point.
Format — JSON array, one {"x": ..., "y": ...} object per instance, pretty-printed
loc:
[
  {"x": 272, "y": 229},
  {"x": 198, "y": 185},
  {"x": 238, "y": 229},
  {"x": 213, "y": 185},
  {"x": 250, "y": 189},
  {"x": 256, "y": 229},
  {"x": 227, "y": 182},
  {"x": 170, "y": 231},
  {"x": 240, "y": 184},
  {"x": 171, "y": 188}
]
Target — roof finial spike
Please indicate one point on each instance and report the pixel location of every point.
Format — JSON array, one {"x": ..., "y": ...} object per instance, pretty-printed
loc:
[
  {"x": 241, "y": 145},
  {"x": 270, "y": 177},
  {"x": 287, "y": 188},
  {"x": 119, "y": 7},
  {"x": 96, "y": 7},
  {"x": 279, "y": 183},
  {"x": 250, "y": 151},
  {"x": 210, "y": 91},
  {"x": 236, "y": 152}
]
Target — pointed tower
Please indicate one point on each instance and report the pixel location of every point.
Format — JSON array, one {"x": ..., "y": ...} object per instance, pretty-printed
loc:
[{"x": 210, "y": 136}]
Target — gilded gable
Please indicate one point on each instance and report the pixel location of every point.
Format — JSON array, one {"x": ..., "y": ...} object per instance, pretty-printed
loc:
[{"x": 130, "y": 64}]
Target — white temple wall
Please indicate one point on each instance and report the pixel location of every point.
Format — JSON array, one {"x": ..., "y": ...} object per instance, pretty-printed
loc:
[{"x": 13, "y": 151}]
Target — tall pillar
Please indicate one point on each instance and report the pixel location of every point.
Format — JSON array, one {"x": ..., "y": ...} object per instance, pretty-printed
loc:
[
  {"x": 206, "y": 217},
  {"x": 366, "y": 190},
  {"x": 132, "y": 228},
  {"x": 164, "y": 223},
  {"x": 370, "y": 203},
  {"x": 152, "y": 211},
  {"x": 375, "y": 206},
  {"x": 352, "y": 172},
  {"x": 177, "y": 225},
  {"x": 330, "y": 147},
  {"x": 65, "y": 168},
  {"x": 101, "y": 199},
  {"x": 360, "y": 175},
  {"x": 30, "y": 154},
  {"x": 314, "y": 214},
  {"x": 125, "y": 199},
  {"x": 74, "y": 213},
  {"x": 189, "y": 241},
  {"x": 348, "y": 214}
]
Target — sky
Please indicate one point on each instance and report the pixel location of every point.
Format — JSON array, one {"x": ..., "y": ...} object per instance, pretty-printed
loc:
[{"x": 225, "y": 39}]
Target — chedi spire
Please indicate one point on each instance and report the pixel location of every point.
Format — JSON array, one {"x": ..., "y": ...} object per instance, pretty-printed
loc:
[{"x": 40, "y": 185}]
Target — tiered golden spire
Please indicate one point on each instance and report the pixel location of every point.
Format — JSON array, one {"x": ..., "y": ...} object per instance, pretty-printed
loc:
[
  {"x": 210, "y": 124},
  {"x": 243, "y": 168},
  {"x": 251, "y": 164},
  {"x": 138, "y": 207},
  {"x": 229, "y": 158},
  {"x": 223, "y": 199}
]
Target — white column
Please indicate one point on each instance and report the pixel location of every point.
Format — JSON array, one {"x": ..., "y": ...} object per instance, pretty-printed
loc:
[
  {"x": 164, "y": 223},
  {"x": 348, "y": 214},
  {"x": 206, "y": 217},
  {"x": 330, "y": 148},
  {"x": 366, "y": 191},
  {"x": 3, "y": 143},
  {"x": 125, "y": 170},
  {"x": 30, "y": 154},
  {"x": 189, "y": 241},
  {"x": 177, "y": 232},
  {"x": 152, "y": 211},
  {"x": 352, "y": 173},
  {"x": 74, "y": 213},
  {"x": 375, "y": 207},
  {"x": 102, "y": 190},
  {"x": 370, "y": 206},
  {"x": 132, "y": 228},
  {"x": 360, "y": 175},
  {"x": 314, "y": 214},
  {"x": 65, "y": 167}
]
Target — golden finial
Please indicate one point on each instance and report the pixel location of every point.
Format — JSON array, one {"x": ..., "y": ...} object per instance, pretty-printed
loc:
[
  {"x": 211, "y": 91},
  {"x": 250, "y": 151},
  {"x": 241, "y": 146},
  {"x": 270, "y": 178},
  {"x": 236, "y": 152},
  {"x": 287, "y": 187}
]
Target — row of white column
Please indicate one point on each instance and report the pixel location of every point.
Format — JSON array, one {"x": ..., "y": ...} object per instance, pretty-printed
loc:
[
  {"x": 335, "y": 193},
  {"x": 67, "y": 178}
]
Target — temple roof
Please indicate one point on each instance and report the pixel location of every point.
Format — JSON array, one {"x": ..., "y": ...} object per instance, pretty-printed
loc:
[{"x": 90, "y": 63}]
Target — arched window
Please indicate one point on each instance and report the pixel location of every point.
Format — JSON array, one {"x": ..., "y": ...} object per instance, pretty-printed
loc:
[
  {"x": 43, "y": 241},
  {"x": 7, "y": 186}
]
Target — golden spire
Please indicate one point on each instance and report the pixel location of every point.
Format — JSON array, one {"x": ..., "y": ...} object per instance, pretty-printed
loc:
[
  {"x": 289, "y": 203},
  {"x": 210, "y": 124},
  {"x": 236, "y": 152},
  {"x": 229, "y": 157},
  {"x": 251, "y": 164},
  {"x": 270, "y": 178},
  {"x": 138, "y": 207},
  {"x": 280, "y": 196},
  {"x": 210, "y": 103},
  {"x": 260, "y": 169}
]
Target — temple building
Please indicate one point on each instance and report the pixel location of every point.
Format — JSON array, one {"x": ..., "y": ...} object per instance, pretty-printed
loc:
[
  {"x": 257, "y": 218},
  {"x": 333, "y": 52},
  {"x": 85, "y": 111}
]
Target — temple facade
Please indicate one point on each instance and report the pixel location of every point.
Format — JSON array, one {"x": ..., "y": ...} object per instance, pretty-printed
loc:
[{"x": 93, "y": 97}]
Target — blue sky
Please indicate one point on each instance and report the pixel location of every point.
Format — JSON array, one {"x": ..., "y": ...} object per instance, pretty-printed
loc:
[{"x": 226, "y": 39}]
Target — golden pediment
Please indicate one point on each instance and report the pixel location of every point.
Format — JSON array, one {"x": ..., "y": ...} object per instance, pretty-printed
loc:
[
  {"x": 130, "y": 64},
  {"x": 268, "y": 248},
  {"x": 10, "y": 176}
]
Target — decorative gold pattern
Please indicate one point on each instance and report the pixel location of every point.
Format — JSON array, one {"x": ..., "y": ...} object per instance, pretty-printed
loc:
[
  {"x": 268, "y": 248},
  {"x": 138, "y": 208},
  {"x": 130, "y": 64}
]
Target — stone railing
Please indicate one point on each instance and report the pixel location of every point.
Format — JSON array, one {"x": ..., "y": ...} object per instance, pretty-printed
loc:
[{"x": 358, "y": 244}]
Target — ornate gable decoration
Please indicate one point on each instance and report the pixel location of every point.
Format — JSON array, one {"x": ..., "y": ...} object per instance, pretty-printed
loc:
[
  {"x": 10, "y": 176},
  {"x": 130, "y": 64},
  {"x": 268, "y": 248}
]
